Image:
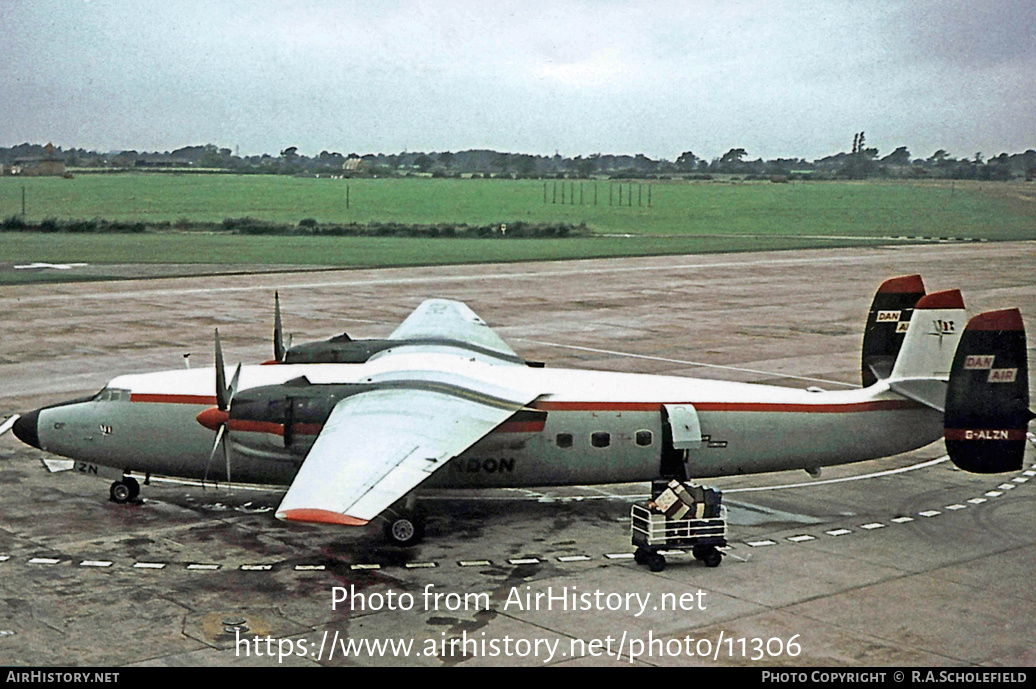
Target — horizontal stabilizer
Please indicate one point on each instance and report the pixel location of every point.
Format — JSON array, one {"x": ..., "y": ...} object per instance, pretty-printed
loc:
[
  {"x": 927, "y": 391},
  {"x": 987, "y": 402}
]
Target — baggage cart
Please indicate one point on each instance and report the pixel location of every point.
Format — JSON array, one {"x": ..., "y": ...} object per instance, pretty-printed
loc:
[{"x": 653, "y": 532}]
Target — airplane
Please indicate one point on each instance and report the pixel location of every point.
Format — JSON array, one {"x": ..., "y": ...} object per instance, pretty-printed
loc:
[{"x": 445, "y": 402}]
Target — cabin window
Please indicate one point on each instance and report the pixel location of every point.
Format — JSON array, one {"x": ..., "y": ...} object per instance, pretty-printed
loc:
[
  {"x": 645, "y": 438},
  {"x": 601, "y": 439},
  {"x": 564, "y": 440}
]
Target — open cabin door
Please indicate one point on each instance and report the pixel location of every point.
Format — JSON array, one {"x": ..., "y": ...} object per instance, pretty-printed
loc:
[{"x": 681, "y": 436}]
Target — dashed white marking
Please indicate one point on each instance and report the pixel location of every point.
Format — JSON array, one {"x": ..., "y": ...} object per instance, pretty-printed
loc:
[
  {"x": 838, "y": 532},
  {"x": 930, "y": 513},
  {"x": 993, "y": 494},
  {"x": 475, "y": 563},
  {"x": 802, "y": 539},
  {"x": 956, "y": 506},
  {"x": 977, "y": 501},
  {"x": 524, "y": 561},
  {"x": 365, "y": 566},
  {"x": 573, "y": 558},
  {"x": 44, "y": 561},
  {"x": 421, "y": 565},
  {"x": 149, "y": 565},
  {"x": 619, "y": 556},
  {"x": 95, "y": 563},
  {"x": 1020, "y": 479},
  {"x": 309, "y": 568},
  {"x": 1006, "y": 486},
  {"x": 872, "y": 526},
  {"x": 4, "y": 558},
  {"x": 760, "y": 544},
  {"x": 256, "y": 568},
  {"x": 901, "y": 520},
  {"x": 204, "y": 567}
]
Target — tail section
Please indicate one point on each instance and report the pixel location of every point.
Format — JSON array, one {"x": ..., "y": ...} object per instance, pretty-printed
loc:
[
  {"x": 987, "y": 403},
  {"x": 887, "y": 323}
]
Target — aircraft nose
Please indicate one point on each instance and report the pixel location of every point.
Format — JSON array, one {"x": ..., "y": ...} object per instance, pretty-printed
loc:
[{"x": 25, "y": 429}]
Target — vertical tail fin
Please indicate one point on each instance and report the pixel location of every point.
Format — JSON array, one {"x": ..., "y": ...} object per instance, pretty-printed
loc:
[
  {"x": 931, "y": 337},
  {"x": 987, "y": 403},
  {"x": 887, "y": 324}
]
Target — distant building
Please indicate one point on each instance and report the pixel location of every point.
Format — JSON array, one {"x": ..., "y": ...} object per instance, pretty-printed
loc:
[
  {"x": 50, "y": 165},
  {"x": 352, "y": 164}
]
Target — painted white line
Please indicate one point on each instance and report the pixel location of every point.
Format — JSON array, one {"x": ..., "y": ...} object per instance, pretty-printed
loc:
[
  {"x": 95, "y": 563},
  {"x": 1020, "y": 479},
  {"x": 4, "y": 558},
  {"x": 44, "y": 561},
  {"x": 149, "y": 565},
  {"x": 525, "y": 561},
  {"x": 683, "y": 362},
  {"x": 365, "y": 566},
  {"x": 977, "y": 501},
  {"x": 421, "y": 565},
  {"x": 1030, "y": 473},
  {"x": 872, "y": 526},
  {"x": 890, "y": 472},
  {"x": 839, "y": 532},
  {"x": 573, "y": 558},
  {"x": 309, "y": 568},
  {"x": 955, "y": 506},
  {"x": 1006, "y": 486},
  {"x": 256, "y": 568},
  {"x": 204, "y": 567},
  {"x": 475, "y": 563},
  {"x": 760, "y": 544},
  {"x": 901, "y": 520},
  {"x": 993, "y": 494},
  {"x": 802, "y": 539},
  {"x": 619, "y": 556},
  {"x": 930, "y": 513}
]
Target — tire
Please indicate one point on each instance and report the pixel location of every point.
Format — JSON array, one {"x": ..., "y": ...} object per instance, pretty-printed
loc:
[
  {"x": 656, "y": 562},
  {"x": 404, "y": 530},
  {"x": 640, "y": 556},
  {"x": 120, "y": 492},
  {"x": 713, "y": 558}
]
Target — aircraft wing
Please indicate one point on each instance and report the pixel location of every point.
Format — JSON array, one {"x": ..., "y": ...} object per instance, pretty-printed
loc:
[
  {"x": 378, "y": 445},
  {"x": 443, "y": 320}
]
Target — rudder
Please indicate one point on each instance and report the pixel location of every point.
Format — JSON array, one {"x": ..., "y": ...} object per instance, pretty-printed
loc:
[
  {"x": 987, "y": 402},
  {"x": 887, "y": 324}
]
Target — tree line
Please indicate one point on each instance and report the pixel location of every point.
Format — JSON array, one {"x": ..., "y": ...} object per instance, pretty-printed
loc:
[{"x": 860, "y": 162}]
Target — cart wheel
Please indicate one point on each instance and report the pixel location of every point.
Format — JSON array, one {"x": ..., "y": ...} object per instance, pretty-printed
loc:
[
  {"x": 700, "y": 552},
  {"x": 656, "y": 562},
  {"x": 713, "y": 558},
  {"x": 640, "y": 556}
]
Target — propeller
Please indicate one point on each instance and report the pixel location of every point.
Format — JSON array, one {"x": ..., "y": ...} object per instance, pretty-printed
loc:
[
  {"x": 8, "y": 424},
  {"x": 224, "y": 397},
  {"x": 280, "y": 345}
]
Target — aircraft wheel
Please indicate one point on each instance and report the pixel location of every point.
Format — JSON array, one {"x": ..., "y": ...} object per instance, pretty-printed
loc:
[
  {"x": 125, "y": 490},
  {"x": 656, "y": 562},
  {"x": 405, "y": 529}
]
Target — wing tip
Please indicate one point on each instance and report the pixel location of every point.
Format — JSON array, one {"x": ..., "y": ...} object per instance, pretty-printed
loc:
[{"x": 318, "y": 516}]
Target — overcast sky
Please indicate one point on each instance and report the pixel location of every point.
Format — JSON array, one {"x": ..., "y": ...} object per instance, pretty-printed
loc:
[{"x": 780, "y": 79}]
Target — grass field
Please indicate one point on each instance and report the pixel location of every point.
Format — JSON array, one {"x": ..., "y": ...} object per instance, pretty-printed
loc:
[{"x": 683, "y": 217}]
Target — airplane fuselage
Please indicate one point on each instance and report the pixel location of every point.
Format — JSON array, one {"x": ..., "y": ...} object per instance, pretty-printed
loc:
[{"x": 585, "y": 427}]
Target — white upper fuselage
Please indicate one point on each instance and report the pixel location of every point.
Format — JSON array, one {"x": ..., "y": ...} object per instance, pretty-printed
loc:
[{"x": 600, "y": 427}]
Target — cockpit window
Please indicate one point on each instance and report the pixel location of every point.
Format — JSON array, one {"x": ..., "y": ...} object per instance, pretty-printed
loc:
[{"x": 112, "y": 395}]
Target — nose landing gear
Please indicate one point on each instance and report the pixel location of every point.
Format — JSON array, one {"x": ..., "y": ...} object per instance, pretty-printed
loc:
[{"x": 124, "y": 490}]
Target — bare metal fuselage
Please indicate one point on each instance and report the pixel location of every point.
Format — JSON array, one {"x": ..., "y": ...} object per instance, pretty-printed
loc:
[{"x": 600, "y": 427}]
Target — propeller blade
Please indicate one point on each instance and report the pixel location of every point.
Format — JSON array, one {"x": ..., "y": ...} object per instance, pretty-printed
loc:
[
  {"x": 226, "y": 457},
  {"x": 233, "y": 385},
  {"x": 8, "y": 424},
  {"x": 279, "y": 350},
  {"x": 221, "y": 378},
  {"x": 215, "y": 445}
]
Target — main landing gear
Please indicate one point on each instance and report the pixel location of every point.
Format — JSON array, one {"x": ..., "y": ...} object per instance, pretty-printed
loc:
[
  {"x": 124, "y": 490},
  {"x": 404, "y": 526}
]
